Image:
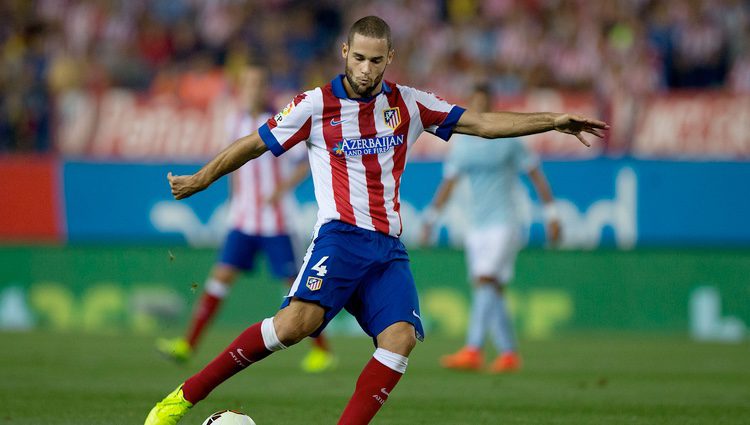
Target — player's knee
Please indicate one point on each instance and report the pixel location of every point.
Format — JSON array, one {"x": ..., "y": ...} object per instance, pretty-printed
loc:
[
  {"x": 399, "y": 338},
  {"x": 407, "y": 342},
  {"x": 225, "y": 274},
  {"x": 297, "y": 320}
]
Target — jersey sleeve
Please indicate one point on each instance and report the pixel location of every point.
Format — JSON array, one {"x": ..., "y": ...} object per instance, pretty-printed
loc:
[
  {"x": 438, "y": 116},
  {"x": 289, "y": 127}
]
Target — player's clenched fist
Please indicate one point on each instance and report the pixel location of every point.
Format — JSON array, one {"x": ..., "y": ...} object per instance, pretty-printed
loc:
[{"x": 183, "y": 186}]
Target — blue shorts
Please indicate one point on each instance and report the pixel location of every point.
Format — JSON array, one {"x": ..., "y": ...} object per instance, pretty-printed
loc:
[
  {"x": 240, "y": 250},
  {"x": 363, "y": 271}
]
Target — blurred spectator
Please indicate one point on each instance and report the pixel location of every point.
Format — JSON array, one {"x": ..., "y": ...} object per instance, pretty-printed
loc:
[
  {"x": 700, "y": 49},
  {"x": 201, "y": 83},
  {"x": 739, "y": 75},
  {"x": 616, "y": 48}
]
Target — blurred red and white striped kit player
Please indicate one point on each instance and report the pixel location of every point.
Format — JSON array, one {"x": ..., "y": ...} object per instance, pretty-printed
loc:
[
  {"x": 254, "y": 209},
  {"x": 260, "y": 221}
]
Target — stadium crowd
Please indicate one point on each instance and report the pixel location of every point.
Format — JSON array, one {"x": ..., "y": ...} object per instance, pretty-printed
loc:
[{"x": 192, "y": 48}]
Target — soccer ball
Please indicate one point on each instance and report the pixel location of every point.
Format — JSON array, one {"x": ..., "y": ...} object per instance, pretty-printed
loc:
[{"x": 228, "y": 417}]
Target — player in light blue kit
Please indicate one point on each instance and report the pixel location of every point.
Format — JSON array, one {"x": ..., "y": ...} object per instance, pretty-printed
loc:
[{"x": 494, "y": 236}]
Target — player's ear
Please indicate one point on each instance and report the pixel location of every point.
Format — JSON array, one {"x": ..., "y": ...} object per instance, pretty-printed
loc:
[
  {"x": 344, "y": 50},
  {"x": 390, "y": 56}
]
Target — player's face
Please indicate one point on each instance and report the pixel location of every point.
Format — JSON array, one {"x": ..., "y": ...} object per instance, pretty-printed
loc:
[{"x": 366, "y": 60}]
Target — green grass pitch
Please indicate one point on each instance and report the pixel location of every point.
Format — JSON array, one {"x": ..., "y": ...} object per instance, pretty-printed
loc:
[{"x": 48, "y": 379}]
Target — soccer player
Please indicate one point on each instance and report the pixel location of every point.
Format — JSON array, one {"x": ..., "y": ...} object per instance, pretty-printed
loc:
[
  {"x": 260, "y": 214},
  {"x": 357, "y": 129},
  {"x": 493, "y": 239}
]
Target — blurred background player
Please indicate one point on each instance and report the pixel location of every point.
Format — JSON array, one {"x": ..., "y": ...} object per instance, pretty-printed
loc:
[
  {"x": 494, "y": 237},
  {"x": 260, "y": 217}
]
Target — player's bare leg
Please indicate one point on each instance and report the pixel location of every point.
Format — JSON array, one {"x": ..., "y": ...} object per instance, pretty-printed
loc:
[
  {"x": 381, "y": 374},
  {"x": 216, "y": 288},
  {"x": 320, "y": 358},
  {"x": 298, "y": 320}
]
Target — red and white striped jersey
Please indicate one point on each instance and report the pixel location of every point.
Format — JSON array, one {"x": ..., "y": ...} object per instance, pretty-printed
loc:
[
  {"x": 256, "y": 181},
  {"x": 358, "y": 147}
]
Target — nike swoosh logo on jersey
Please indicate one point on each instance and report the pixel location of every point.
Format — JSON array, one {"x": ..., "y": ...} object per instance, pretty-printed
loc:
[
  {"x": 335, "y": 123},
  {"x": 414, "y": 312}
]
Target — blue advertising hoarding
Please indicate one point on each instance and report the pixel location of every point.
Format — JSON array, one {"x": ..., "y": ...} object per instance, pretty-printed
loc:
[
  {"x": 119, "y": 202},
  {"x": 604, "y": 202}
]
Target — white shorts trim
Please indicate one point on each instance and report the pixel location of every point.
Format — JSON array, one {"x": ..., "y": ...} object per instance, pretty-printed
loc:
[{"x": 305, "y": 260}]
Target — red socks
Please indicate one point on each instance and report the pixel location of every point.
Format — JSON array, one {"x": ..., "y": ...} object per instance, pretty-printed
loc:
[
  {"x": 241, "y": 353},
  {"x": 321, "y": 342},
  {"x": 373, "y": 387},
  {"x": 202, "y": 315},
  {"x": 375, "y": 383}
]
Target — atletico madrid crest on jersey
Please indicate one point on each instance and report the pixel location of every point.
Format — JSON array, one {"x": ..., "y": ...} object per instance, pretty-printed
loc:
[
  {"x": 314, "y": 283},
  {"x": 392, "y": 117}
]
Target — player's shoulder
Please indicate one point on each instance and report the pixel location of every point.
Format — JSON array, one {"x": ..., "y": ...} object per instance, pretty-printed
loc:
[
  {"x": 307, "y": 95},
  {"x": 413, "y": 91},
  {"x": 403, "y": 88},
  {"x": 313, "y": 96},
  {"x": 300, "y": 101}
]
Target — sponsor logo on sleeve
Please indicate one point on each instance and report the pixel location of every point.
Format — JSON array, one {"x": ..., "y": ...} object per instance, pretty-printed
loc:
[{"x": 284, "y": 112}]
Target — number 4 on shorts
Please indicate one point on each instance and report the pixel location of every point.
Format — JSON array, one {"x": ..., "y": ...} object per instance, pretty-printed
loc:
[{"x": 320, "y": 268}]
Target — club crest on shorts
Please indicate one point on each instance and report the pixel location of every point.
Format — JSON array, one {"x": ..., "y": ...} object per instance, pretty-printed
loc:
[
  {"x": 314, "y": 283},
  {"x": 392, "y": 117}
]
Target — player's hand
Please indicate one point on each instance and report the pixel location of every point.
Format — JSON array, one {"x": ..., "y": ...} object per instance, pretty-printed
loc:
[
  {"x": 554, "y": 232},
  {"x": 183, "y": 186},
  {"x": 577, "y": 124}
]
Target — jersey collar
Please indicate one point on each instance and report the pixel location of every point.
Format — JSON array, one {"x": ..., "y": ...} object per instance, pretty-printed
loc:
[{"x": 339, "y": 91}]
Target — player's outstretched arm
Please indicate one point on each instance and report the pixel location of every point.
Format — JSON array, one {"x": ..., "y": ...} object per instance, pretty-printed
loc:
[
  {"x": 228, "y": 160},
  {"x": 493, "y": 125}
]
